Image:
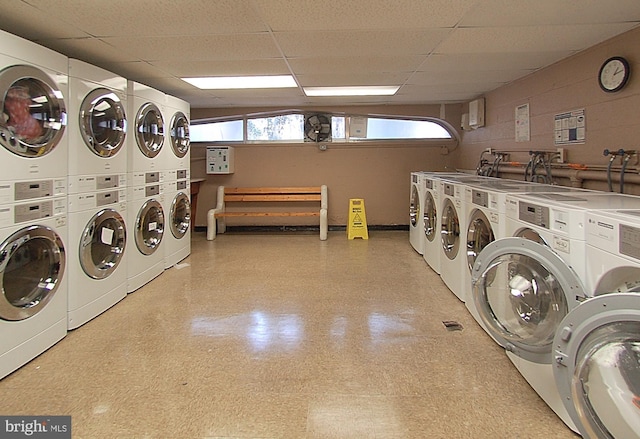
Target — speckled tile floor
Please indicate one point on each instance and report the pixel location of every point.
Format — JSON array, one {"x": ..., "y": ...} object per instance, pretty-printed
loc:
[{"x": 285, "y": 336}]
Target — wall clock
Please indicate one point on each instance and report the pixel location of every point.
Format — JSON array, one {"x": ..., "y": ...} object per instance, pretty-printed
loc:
[{"x": 614, "y": 74}]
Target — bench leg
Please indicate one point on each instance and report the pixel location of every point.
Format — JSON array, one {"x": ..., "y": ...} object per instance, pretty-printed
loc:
[
  {"x": 323, "y": 224},
  {"x": 211, "y": 225}
]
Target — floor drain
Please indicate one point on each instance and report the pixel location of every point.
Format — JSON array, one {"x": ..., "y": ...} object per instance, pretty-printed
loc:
[{"x": 452, "y": 325}]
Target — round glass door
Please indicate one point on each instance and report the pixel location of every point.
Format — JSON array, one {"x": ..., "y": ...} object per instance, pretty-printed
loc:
[
  {"x": 149, "y": 130},
  {"x": 180, "y": 215},
  {"x": 522, "y": 291},
  {"x": 102, "y": 244},
  {"x": 32, "y": 264},
  {"x": 103, "y": 123},
  {"x": 149, "y": 227},
  {"x": 414, "y": 206},
  {"x": 34, "y": 115},
  {"x": 450, "y": 230},
  {"x": 479, "y": 235},
  {"x": 430, "y": 217},
  {"x": 597, "y": 366},
  {"x": 180, "y": 134}
]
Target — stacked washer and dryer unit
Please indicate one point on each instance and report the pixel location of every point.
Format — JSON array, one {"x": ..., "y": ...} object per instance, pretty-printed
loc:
[
  {"x": 34, "y": 234},
  {"x": 177, "y": 193},
  {"x": 81, "y": 218},
  {"x": 97, "y": 191}
]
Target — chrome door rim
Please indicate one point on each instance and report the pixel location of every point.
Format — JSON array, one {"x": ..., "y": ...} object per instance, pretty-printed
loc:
[
  {"x": 430, "y": 217},
  {"x": 148, "y": 245},
  {"x": 94, "y": 234},
  {"x": 180, "y": 134},
  {"x": 40, "y": 291},
  {"x": 103, "y": 101},
  {"x": 414, "y": 206},
  {"x": 479, "y": 227},
  {"x": 450, "y": 230},
  {"x": 149, "y": 130},
  {"x": 180, "y": 223},
  {"x": 19, "y": 82}
]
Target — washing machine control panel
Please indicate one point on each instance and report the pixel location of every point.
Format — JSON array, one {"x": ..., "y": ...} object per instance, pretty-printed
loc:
[
  {"x": 12, "y": 192},
  {"x": 480, "y": 198},
  {"x": 449, "y": 189},
  {"x": 629, "y": 241},
  {"x": 428, "y": 183},
  {"x": 533, "y": 214}
]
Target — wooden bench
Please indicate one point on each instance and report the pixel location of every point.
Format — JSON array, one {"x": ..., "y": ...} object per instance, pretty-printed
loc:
[{"x": 216, "y": 217}]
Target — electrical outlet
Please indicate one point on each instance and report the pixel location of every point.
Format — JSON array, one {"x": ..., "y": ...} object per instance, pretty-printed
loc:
[{"x": 562, "y": 155}]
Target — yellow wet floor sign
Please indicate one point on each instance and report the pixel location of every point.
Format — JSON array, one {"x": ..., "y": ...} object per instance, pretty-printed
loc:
[{"x": 357, "y": 227}]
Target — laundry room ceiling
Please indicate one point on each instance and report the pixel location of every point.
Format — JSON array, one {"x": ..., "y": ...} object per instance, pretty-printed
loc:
[{"x": 437, "y": 51}]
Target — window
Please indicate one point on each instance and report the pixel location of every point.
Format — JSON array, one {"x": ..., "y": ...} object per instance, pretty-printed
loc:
[
  {"x": 289, "y": 128},
  {"x": 225, "y": 131},
  {"x": 284, "y": 127}
]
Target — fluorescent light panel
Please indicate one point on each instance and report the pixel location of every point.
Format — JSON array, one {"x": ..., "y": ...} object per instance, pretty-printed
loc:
[
  {"x": 242, "y": 82},
  {"x": 383, "y": 90}
]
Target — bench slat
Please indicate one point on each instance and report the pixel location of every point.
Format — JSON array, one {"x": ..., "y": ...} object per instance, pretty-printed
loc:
[
  {"x": 273, "y": 190},
  {"x": 275, "y": 197},
  {"x": 228, "y": 214}
]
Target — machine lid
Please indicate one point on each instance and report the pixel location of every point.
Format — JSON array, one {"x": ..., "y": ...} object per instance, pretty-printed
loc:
[
  {"x": 34, "y": 115},
  {"x": 32, "y": 264},
  {"x": 479, "y": 235},
  {"x": 414, "y": 206},
  {"x": 180, "y": 134},
  {"x": 450, "y": 230},
  {"x": 103, "y": 123},
  {"x": 149, "y": 227},
  {"x": 522, "y": 291},
  {"x": 180, "y": 215},
  {"x": 597, "y": 366},
  {"x": 430, "y": 217},
  {"x": 102, "y": 244},
  {"x": 149, "y": 130}
]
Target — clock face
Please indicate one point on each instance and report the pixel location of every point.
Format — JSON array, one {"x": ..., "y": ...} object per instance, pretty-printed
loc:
[{"x": 614, "y": 74}]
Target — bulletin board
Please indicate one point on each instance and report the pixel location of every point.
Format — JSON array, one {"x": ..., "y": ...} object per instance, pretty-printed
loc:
[{"x": 570, "y": 127}]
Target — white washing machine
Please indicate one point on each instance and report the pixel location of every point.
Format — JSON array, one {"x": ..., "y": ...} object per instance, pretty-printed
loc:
[
  {"x": 33, "y": 303},
  {"x": 33, "y": 89},
  {"x": 416, "y": 205},
  {"x": 431, "y": 222},
  {"x": 523, "y": 288},
  {"x": 453, "y": 215},
  {"x": 177, "y": 207},
  {"x": 146, "y": 229},
  {"x": 177, "y": 143},
  {"x": 97, "y": 265},
  {"x": 97, "y": 128},
  {"x": 146, "y": 137},
  {"x": 596, "y": 365}
]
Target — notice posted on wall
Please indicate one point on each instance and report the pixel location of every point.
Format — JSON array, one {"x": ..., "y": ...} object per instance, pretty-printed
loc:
[
  {"x": 570, "y": 127},
  {"x": 522, "y": 123}
]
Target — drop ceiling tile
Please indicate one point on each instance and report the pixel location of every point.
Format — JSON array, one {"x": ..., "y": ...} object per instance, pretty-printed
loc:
[
  {"x": 350, "y": 79},
  {"x": 32, "y": 23},
  {"x": 491, "y": 61},
  {"x": 355, "y": 65},
  {"x": 544, "y": 12},
  {"x": 91, "y": 50},
  {"x": 466, "y": 76},
  {"x": 155, "y": 18},
  {"x": 529, "y": 38},
  {"x": 307, "y": 15},
  {"x": 190, "y": 68},
  {"x": 359, "y": 43},
  {"x": 203, "y": 48}
]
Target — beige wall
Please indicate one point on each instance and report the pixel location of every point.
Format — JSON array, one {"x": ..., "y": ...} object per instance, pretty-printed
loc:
[
  {"x": 379, "y": 174},
  {"x": 612, "y": 119}
]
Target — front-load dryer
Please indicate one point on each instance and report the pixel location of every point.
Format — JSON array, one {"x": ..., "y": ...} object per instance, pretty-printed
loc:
[
  {"x": 97, "y": 127},
  {"x": 33, "y": 303},
  {"x": 177, "y": 141},
  {"x": 416, "y": 205},
  {"x": 177, "y": 207},
  {"x": 97, "y": 267},
  {"x": 147, "y": 125},
  {"x": 33, "y": 93},
  {"x": 523, "y": 286},
  {"x": 146, "y": 229}
]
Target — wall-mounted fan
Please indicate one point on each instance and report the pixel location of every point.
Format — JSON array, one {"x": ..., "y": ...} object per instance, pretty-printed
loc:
[{"x": 317, "y": 128}]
